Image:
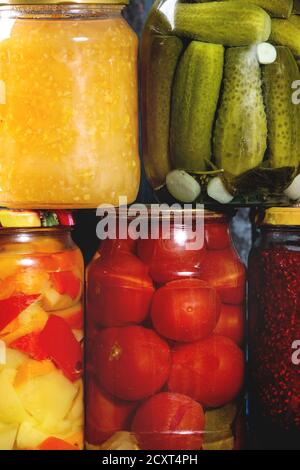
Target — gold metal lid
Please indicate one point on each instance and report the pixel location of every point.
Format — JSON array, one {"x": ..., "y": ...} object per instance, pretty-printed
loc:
[
  {"x": 59, "y": 2},
  {"x": 282, "y": 216}
]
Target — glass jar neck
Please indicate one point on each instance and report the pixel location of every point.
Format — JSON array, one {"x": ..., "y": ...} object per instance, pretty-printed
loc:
[
  {"x": 61, "y": 11},
  {"x": 15, "y": 239},
  {"x": 278, "y": 235}
]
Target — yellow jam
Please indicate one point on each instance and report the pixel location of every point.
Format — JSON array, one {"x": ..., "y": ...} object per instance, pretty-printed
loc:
[{"x": 68, "y": 112}]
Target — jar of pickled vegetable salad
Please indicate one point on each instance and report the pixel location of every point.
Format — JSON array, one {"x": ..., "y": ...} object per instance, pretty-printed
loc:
[
  {"x": 68, "y": 104},
  {"x": 274, "y": 342},
  {"x": 221, "y": 101},
  {"x": 41, "y": 333},
  {"x": 165, "y": 328}
]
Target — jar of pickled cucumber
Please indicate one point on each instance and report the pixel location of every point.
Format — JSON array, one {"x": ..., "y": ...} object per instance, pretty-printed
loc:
[
  {"x": 274, "y": 336},
  {"x": 165, "y": 332},
  {"x": 68, "y": 104},
  {"x": 221, "y": 101},
  {"x": 41, "y": 333}
]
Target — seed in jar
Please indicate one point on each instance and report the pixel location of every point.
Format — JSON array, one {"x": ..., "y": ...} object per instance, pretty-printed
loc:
[{"x": 182, "y": 186}]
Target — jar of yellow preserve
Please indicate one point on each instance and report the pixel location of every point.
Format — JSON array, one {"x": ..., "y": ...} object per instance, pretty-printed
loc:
[{"x": 68, "y": 104}]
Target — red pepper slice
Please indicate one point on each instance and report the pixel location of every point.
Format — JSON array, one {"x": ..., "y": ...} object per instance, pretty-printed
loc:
[
  {"x": 65, "y": 218},
  {"x": 65, "y": 282},
  {"x": 10, "y": 308},
  {"x": 53, "y": 443},
  {"x": 60, "y": 344},
  {"x": 30, "y": 344}
]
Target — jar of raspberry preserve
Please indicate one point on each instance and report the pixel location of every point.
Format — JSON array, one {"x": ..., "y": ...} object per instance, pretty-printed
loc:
[
  {"x": 274, "y": 303},
  {"x": 165, "y": 326},
  {"x": 41, "y": 333}
]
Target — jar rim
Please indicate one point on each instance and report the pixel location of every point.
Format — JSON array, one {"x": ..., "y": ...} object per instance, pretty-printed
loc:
[
  {"x": 161, "y": 212},
  {"x": 66, "y": 3},
  {"x": 41, "y": 230}
]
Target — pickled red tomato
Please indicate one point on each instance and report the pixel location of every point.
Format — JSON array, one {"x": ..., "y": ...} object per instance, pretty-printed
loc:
[
  {"x": 121, "y": 265},
  {"x": 119, "y": 290},
  {"x": 104, "y": 415},
  {"x": 118, "y": 305},
  {"x": 185, "y": 310},
  {"x": 209, "y": 371},
  {"x": 108, "y": 246},
  {"x": 231, "y": 323},
  {"x": 170, "y": 259},
  {"x": 169, "y": 421},
  {"x": 223, "y": 270},
  {"x": 131, "y": 362},
  {"x": 217, "y": 236}
]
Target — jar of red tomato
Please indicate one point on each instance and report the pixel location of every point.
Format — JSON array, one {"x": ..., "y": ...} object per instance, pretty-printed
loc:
[
  {"x": 41, "y": 332},
  {"x": 165, "y": 326},
  {"x": 274, "y": 303}
]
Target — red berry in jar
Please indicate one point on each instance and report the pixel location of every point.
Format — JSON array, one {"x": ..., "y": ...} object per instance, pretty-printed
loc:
[
  {"x": 119, "y": 290},
  {"x": 210, "y": 371},
  {"x": 185, "y": 310},
  {"x": 132, "y": 362},
  {"x": 105, "y": 415},
  {"x": 224, "y": 271},
  {"x": 231, "y": 323},
  {"x": 170, "y": 259},
  {"x": 169, "y": 421}
]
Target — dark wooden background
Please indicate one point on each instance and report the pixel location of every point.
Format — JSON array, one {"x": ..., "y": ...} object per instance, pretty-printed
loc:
[{"x": 85, "y": 234}]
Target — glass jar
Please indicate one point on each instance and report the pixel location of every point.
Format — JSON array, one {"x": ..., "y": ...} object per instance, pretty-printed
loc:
[
  {"x": 274, "y": 342},
  {"x": 221, "y": 110},
  {"x": 165, "y": 327},
  {"x": 68, "y": 105},
  {"x": 41, "y": 335}
]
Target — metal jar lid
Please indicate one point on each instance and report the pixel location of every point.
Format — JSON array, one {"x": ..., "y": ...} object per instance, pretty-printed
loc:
[{"x": 282, "y": 216}]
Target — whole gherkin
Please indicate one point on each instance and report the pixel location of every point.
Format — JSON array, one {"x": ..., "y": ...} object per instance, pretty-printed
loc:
[{"x": 240, "y": 136}]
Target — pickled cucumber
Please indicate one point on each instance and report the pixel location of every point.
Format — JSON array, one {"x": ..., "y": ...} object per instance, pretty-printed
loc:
[
  {"x": 218, "y": 423},
  {"x": 296, "y": 9},
  {"x": 157, "y": 21},
  {"x": 285, "y": 33},
  {"x": 283, "y": 116},
  {"x": 195, "y": 96},
  {"x": 240, "y": 136},
  {"x": 223, "y": 444},
  {"x": 295, "y": 20},
  {"x": 231, "y": 23},
  {"x": 159, "y": 71},
  {"x": 276, "y": 8}
]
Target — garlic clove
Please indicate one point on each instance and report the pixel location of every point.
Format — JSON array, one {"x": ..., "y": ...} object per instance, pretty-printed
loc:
[
  {"x": 266, "y": 53},
  {"x": 217, "y": 190},
  {"x": 182, "y": 186},
  {"x": 293, "y": 191}
]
